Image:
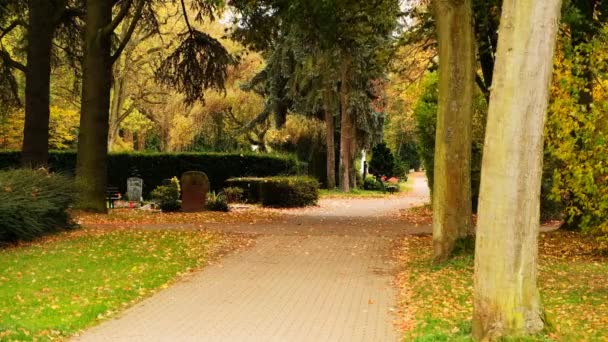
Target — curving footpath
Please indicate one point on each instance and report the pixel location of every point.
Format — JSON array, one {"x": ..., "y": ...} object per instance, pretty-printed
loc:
[{"x": 321, "y": 274}]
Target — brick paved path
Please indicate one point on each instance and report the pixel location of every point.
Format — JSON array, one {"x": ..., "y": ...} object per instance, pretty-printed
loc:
[{"x": 321, "y": 275}]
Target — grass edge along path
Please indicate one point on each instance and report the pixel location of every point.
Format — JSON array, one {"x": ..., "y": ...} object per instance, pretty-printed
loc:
[
  {"x": 62, "y": 284},
  {"x": 436, "y": 301}
]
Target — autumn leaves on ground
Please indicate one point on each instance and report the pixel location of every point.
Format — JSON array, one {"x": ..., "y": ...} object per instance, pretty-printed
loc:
[
  {"x": 436, "y": 300},
  {"x": 63, "y": 283}
]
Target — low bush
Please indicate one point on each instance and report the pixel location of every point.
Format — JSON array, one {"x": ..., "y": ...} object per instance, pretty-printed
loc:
[
  {"x": 32, "y": 203},
  {"x": 289, "y": 191},
  {"x": 285, "y": 191},
  {"x": 167, "y": 196},
  {"x": 217, "y": 202},
  {"x": 372, "y": 183},
  {"x": 153, "y": 168},
  {"x": 233, "y": 194},
  {"x": 250, "y": 187}
]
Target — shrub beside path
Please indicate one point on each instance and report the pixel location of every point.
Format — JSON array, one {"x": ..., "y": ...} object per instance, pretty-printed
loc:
[{"x": 317, "y": 274}]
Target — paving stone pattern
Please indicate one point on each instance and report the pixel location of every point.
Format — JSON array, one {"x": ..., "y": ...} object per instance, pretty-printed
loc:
[{"x": 322, "y": 275}]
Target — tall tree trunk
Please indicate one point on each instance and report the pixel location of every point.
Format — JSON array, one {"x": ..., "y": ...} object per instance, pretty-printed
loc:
[
  {"x": 35, "y": 150},
  {"x": 346, "y": 124},
  {"x": 116, "y": 104},
  {"x": 452, "y": 169},
  {"x": 331, "y": 151},
  {"x": 280, "y": 114},
  {"x": 91, "y": 169},
  {"x": 354, "y": 154},
  {"x": 506, "y": 298}
]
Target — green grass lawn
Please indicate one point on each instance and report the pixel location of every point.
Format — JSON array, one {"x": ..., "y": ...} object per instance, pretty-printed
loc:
[
  {"x": 62, "y": 284},
  {"x": 360, "y": 193},
  {"x": 437, "y": 304}
]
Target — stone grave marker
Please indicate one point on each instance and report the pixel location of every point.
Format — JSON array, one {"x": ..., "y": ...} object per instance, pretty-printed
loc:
[
  {"x": 135, "y": 187},
  {"x": 195, "y": 186}
]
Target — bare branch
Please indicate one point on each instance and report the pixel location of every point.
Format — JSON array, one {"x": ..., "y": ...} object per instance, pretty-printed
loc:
[
  {"x": 11, "y": 62},
  {"x": 12, "y": 26},
  {"x": 130, "y": 30},
  {"x": 124, "y": 10}
]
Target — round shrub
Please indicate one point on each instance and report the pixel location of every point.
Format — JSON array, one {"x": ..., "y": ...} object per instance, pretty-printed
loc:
[
  {"x": 33, "y": 203},
  {"x": 251, "y": 187},
  {"x": 288, "y": 192},
  {"x": 217, "y": 202},
  {"x": 372, "y": 183},
  {"x": 167, "y": 196},
  {"x": 233, "y": 194}
]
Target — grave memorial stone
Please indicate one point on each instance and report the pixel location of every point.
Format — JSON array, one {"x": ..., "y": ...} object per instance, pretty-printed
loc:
[
  {"x": 195, "y": 186},
  {"x": 135, "y": 187}
]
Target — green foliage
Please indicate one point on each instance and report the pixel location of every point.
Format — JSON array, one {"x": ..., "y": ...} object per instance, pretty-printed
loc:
[
  {"x": 32, "y": 203},
  {"x": 576, "y": 145},
  {"x": 217, "y": 202},
  {"x": 233, "y": 194},
  {"x": 289, "y": 191},
  {"x": 382, "y": 162},
  {"x": 372, "y": 183},
  {"x": 167, "y": 196},
  {"x": 400, "y": 169},
  {"x": 251, "y": 187},
  {"x": 153, "y": 168},
  {"x": 425, "y": 115},
  {"x": 294, "y": 191}
]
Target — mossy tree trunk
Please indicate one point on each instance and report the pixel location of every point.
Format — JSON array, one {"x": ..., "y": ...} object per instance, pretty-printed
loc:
[
  {"x": 452, "y": 170},
  {"x": 43, "y": 16},
  {"x": 91, "y": 168},
  {"x": 506, "y": 298}
]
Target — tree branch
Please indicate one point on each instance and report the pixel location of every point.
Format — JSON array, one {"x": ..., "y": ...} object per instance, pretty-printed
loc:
[
  {"x": 186, "y": 16},
  {"x": 12, "y": 26},
  {"x": 130, "y": 30},
  {"x": 124, "y": 10},
  {"x": 11, "y": 62}
]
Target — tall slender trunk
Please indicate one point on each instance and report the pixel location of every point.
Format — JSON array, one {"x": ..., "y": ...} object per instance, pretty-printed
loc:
[
  {"x": 353, "y": 154},
  {"x": 35, "y": 150},
  {"x": 346, "y": 124},
  {"x": 117, "y": 101},
  {"x": 506, "y": 298},
  {"x": 331, "y": 148},
  {"x": 91, "y": 169},
  {"x": 452, "y": 170}
]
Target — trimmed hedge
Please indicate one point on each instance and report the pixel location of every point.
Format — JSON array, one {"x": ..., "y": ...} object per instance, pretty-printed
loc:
[
  {"x": 33, "y": 203},
  {"x": 153, "y": 168},
  {"x": 287, "y": 192},
  {"x": 251, "y": 187}
]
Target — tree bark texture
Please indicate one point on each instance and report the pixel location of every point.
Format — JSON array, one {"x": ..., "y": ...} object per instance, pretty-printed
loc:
[
  {"x": 346, "y": 128},
  {"x": 506, "y": 298},
  {"x": 452, "y": 169},
  {"x": 91, "y": 169},
  {"x": 35, "y": 149},
  {"x": 331, "y": 148}
]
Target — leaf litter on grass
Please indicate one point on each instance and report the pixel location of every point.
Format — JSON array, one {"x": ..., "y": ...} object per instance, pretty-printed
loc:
[
  {"x": 435, "y": 302},
  {"x": 60, "y": 284}
]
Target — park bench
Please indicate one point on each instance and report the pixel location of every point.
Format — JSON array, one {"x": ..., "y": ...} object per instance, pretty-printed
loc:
[
  {"x": 112, "y": 194},
  {"x": 391, "y": 189}
]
